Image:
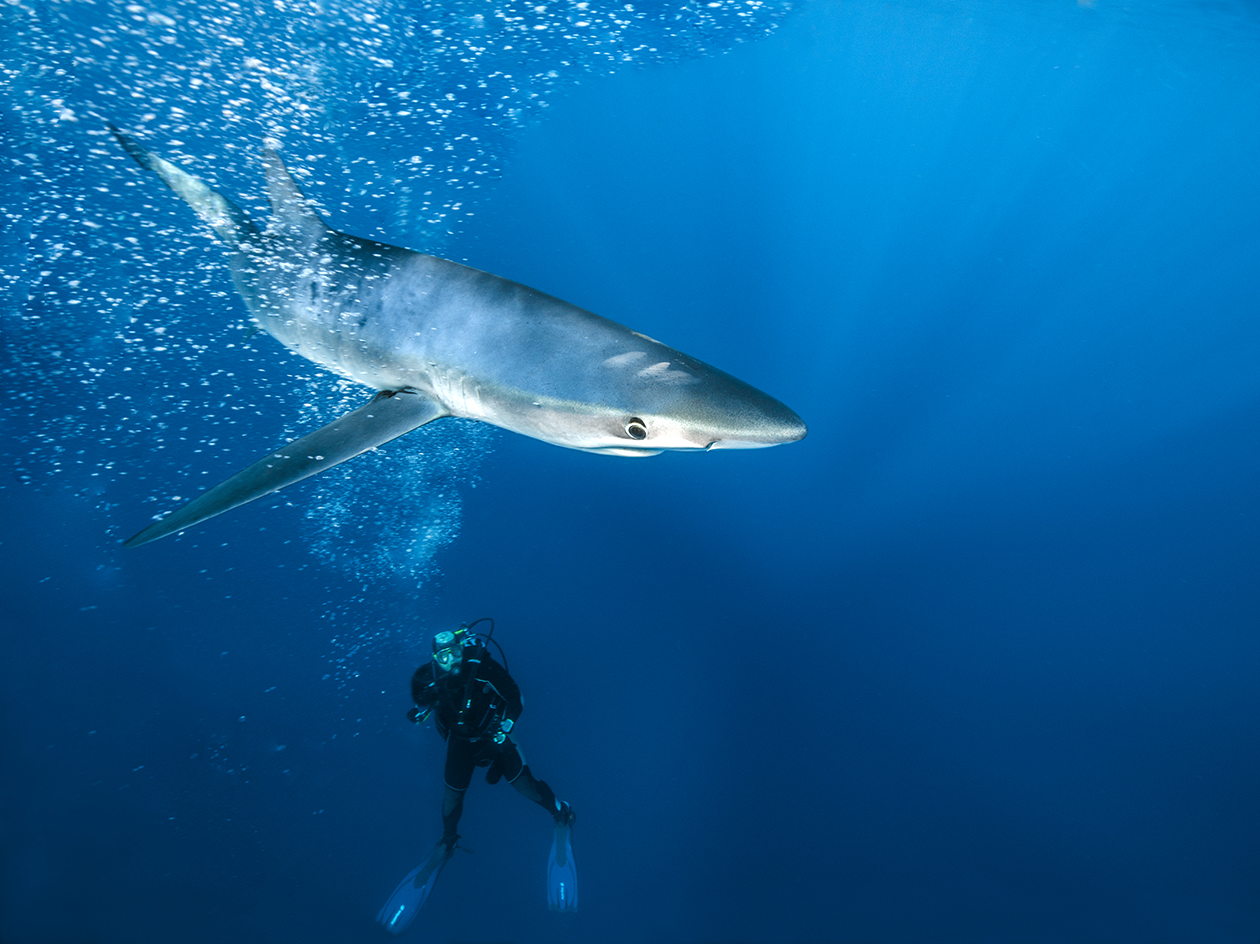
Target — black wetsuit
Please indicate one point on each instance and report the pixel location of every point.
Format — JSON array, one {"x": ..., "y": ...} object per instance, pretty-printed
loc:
[{"x": 469, "y": 705}]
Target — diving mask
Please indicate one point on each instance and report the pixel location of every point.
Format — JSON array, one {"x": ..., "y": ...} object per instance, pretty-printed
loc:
[{"x": 447, "y": 650}]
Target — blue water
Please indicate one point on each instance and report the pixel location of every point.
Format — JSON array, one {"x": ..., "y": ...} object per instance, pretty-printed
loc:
[{"x": 974, "y": 662}]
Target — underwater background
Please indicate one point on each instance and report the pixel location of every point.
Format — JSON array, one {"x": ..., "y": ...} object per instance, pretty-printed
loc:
[{"x": 976, "y": 661}]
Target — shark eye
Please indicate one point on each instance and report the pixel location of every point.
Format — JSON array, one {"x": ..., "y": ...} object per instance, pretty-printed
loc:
[{"x": 636, "y": 428}]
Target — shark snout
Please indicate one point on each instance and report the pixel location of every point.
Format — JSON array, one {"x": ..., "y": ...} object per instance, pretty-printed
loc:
[
  {"x": 770, "y": 423},
  {"x": 788, "y": 428}
]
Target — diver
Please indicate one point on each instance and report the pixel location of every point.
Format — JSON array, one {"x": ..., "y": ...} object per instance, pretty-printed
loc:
[{"x": 475, "y": 704}]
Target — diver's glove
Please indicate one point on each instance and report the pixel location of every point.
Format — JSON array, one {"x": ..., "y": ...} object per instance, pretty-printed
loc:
[
  {"x": 505, "y": 726},
  {"x": 419, "y": 715}
]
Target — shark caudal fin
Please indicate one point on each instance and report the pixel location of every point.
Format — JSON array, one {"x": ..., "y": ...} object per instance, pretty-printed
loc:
[
  {"x": 229, "y": 222},
  {"x": 386, "y": 417},
  {"x": 292, "y": 215}
]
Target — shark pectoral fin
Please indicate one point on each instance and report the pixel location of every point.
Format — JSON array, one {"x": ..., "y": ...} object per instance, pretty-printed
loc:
[{"x": 387, "y": 417}]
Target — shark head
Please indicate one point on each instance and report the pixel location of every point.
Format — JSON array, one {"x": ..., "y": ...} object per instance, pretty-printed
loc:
[{"x": 667, "y": 401}]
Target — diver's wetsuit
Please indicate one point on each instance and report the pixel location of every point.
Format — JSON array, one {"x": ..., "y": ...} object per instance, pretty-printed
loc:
[{"x": 469, "y": 703}]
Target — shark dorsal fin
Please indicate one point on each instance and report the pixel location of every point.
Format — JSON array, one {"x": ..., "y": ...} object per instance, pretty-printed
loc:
[{"x": 291, "y": 213}]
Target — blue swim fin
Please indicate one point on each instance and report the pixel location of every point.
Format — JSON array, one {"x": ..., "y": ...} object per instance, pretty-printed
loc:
[
  {"x": 413, "y": 891},
  {"x": 562, "y": 893}
]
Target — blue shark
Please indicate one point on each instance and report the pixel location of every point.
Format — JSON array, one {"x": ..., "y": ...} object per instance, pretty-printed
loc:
[{"x": 434, "y": 338}]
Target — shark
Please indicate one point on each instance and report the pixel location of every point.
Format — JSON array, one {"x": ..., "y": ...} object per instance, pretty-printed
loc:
[{"x": 433, "y": 338}]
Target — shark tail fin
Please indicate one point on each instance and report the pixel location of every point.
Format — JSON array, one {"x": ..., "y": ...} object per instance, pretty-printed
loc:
[
  {"x": 291, "y": 213},
  {"x": 229, "y": 222}
]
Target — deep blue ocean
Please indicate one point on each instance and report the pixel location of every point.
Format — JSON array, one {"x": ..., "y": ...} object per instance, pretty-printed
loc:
[{"x": 976, "y": 661}]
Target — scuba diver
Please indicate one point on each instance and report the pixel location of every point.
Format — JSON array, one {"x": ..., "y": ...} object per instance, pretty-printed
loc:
[{"x": 474, "y": 704}]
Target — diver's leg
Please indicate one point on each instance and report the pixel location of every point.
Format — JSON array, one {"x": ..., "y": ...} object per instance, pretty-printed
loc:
[
  {"x": 452, "y": 810},
  {"x": 531, "y": 788},
  {"x": 458, "y": 775}
]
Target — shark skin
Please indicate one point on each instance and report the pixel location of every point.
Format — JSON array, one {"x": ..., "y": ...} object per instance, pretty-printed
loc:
[{"x": 434, "y": 338}]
